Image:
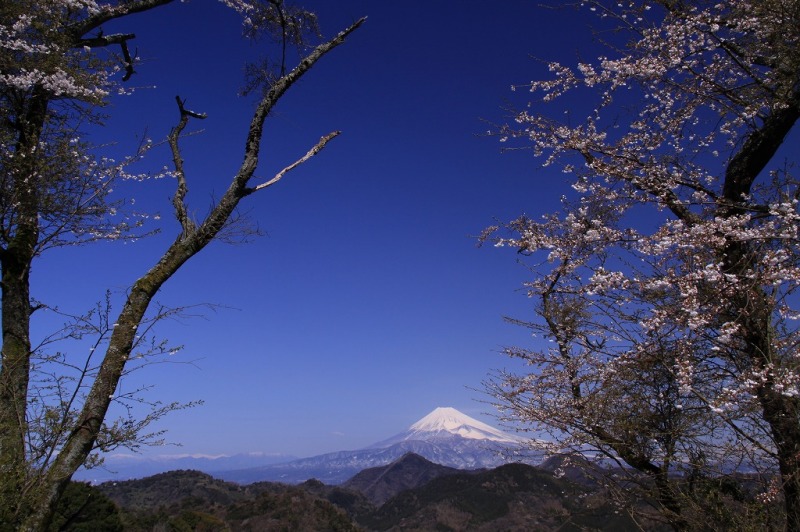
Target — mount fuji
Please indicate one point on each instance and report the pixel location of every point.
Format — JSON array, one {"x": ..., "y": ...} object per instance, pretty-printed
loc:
[
  {"x": 445, "y": 424},
  {"x": 445, "y": 436}
]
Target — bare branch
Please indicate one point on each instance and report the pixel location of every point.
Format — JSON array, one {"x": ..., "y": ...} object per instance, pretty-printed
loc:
[
  {"x": 101, "y": 41},
  {"x": 127, "y": 61},
  {"x": 179, "y": 199},
  {"x": 312, "y": 152},
  {"x": 186, "y": 112},
  {"x": 141, "y": 293}
]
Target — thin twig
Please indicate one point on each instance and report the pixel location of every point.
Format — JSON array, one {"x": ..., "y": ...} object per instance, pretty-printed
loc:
[{"x": 312, "y": 152}]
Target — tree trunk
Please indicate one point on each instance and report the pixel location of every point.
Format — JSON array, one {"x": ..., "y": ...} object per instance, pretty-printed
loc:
[
  {"x": 781, "y": 412},
  {"x": 36, "y": 512},
  {"x": 753, "y": 309},
  {"x": 82, "y": 439},
  {"x": 14, "y": 376},
  {"x": 15, "y": 262}
]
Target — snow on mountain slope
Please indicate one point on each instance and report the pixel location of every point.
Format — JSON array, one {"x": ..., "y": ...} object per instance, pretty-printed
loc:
[
  {"x": 452, "y": 421},
  {"x": 446, "y": 422}
]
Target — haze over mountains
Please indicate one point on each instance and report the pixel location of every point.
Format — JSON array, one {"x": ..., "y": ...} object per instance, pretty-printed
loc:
[
  {"x": 445, "y": 436},
  {"x": 130, "y": 466}
]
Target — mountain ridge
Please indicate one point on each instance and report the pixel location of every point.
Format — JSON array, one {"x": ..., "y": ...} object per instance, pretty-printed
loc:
[
  {"x": 510, "y": 497},
  {"x": 445, "y": 436},
  {"x": 379, "y": 484}
]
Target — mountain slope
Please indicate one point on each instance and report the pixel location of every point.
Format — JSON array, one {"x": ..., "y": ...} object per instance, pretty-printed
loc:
[
  {"x": 445, "y": 423},
  {"x": 379, "y": 484},
  {"x": 510, "y": 497},
  {"x": 335, "y": 468},
  {"x": 190, "y": 500},
  {"x": 445, "y": 436}
]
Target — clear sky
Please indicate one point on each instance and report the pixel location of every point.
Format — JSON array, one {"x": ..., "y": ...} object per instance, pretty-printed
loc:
[{"x": 367, "y": 303}]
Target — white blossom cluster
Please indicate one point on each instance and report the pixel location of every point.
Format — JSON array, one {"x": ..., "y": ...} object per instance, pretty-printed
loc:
[
  {"x": 44, "y": 59},
  {"x": 38, "y": 51}
]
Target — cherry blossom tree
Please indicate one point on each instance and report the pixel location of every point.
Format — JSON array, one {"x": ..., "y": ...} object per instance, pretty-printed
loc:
[
  {"x": 667, "y": 283},
  {"x": 57, "y": 67}
]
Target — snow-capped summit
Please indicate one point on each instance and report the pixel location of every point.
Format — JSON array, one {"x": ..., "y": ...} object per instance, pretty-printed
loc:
[
  {"x": 446, "y": 423},
  {"x": 446, "y": 419}
]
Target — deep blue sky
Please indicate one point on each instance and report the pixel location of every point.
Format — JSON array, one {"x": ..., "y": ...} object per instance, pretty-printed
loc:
[{"x": 367, "y": 304}]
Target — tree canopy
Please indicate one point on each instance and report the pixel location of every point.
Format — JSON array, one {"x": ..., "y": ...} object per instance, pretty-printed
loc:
[
  {"x": 667, "y": 283},
  {"x": 57, "y": 68}
]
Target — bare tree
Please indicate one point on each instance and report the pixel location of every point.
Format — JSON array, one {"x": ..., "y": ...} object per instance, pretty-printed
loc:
[
  {"x": 55, "y": 192},
  {"x": 667, "y": 283}
]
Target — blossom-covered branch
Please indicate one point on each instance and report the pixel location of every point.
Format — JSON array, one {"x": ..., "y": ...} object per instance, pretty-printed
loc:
[{"x": 669, "y": 278}]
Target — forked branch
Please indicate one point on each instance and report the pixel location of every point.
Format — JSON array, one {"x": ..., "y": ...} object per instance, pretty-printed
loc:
[
  {"x": 122, "y": 39},
  {"x": 179, "y": 199}
]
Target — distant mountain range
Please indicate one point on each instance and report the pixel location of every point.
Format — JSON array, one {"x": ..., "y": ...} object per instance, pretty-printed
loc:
[
  {"x": 445, "y": 436},
  {"x": 565, "y": 492},
  {"x": 130, "y": 466}
]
